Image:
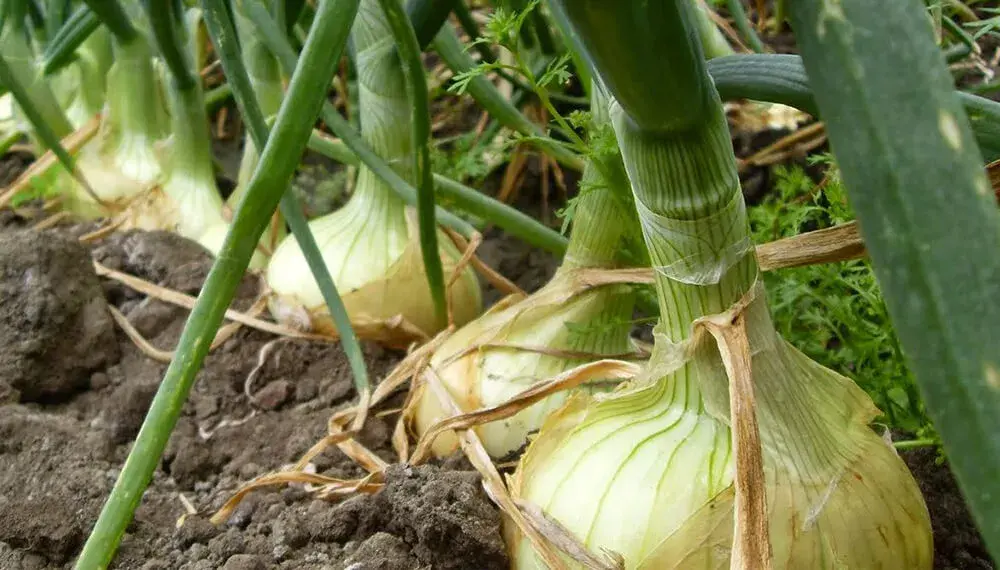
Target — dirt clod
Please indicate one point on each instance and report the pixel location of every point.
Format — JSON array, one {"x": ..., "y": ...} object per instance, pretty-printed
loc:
[
  {"x": 444, "y": 516},
  {"x": 55, "y": 328},
  {"x": 382, "y": 551},
  {"x": 272, "y": 396},
  {"x": 244, "y": 562}
]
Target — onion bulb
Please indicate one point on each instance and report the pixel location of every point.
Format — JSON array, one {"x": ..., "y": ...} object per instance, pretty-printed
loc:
[
  {"x": 481, "y": 372},
  {"x": 647, "y": 472},
  {"x": 372, "y": 251}
]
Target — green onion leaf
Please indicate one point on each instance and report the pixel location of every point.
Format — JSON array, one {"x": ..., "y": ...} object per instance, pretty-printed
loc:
[
  {"x": 420, "y": 118},
  {"x": 915, "y": 178}
]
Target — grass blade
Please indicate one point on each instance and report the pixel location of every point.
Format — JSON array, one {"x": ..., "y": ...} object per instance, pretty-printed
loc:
[
  {"x": 420, "y": 119},
  {"x": 224, "y": 38},
  {"x": 306, "y": 92},
  {"x": 915, "y": 179}
]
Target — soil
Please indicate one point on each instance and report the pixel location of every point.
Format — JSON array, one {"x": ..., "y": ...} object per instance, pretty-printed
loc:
[{"x": 77, "y": 392}]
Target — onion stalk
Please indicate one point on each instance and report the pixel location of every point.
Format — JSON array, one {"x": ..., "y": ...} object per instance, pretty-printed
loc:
[
  {"x": 521, "y": 342},
  {"x": 370, "y": 245},
  {"x": 265, "y": 78},
  {"x": 81, "y": 84},
  {"x": 648, "y": 471}
]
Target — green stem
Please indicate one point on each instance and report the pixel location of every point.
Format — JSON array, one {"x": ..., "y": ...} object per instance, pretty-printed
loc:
[
  {"x": 713, "y": 43},
  {"x": 55, "y": 16},
  {"x": 667, "y": 87},
  {"x": 541, "y": 28},
  {"x": 584, "y": 71},
  {"x": 42, "y": 128},
  {"x": 279, "y": 158},
  {"x": 45, "y": 114},
  {"x": 914, "y": 444},
  {"x": 167, "y": 23},
  {"x": 601, "y": 221},
  {"x": 47, "y": 120},
  {"x": 420, "y": 120},
  {"x": 217, "y": 97},
  {"x": 265, "y": 81},
  {"x": 223, "y": 36},
  {"x": 427, "y": 17},
  {"x": 959, "y": 33},
  {"x": 464, "y": 198},
  {"x": 782, "y": 79},
  {"x": 9, "y": 139}
]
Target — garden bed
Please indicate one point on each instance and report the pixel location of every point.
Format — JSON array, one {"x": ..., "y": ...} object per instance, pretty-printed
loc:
[{"x": 63, "y": 441}]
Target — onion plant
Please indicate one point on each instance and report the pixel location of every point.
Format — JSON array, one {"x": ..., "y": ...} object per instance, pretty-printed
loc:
[
  {"x": 649, "y": 471},
  {"x": 124, "y": 163},
  {"x": 521, "y": 342},
  {"x": 372, "y": 247}
]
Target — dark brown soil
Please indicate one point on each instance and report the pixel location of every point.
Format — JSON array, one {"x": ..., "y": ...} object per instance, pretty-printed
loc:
[
  {"x": 957, "y": 544},
  {"x": 82, "y": 390}
]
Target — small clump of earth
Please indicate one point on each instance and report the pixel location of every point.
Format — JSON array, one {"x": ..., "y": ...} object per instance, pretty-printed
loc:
[{"x": 74, "y": 391}]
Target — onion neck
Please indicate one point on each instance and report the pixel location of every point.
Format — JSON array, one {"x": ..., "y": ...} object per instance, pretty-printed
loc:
[
  {"x": 598, "y": 228},
  {"x": 265, "y": 78},
  {"x": 91, "y": 67},
  {"x": 190, "y": 152},
  {"x": 601, "y": 217},
  {"x": 135, "y": 107},
  {"x": 385, "y": 114},
  {"x": 687, "y": 193}
]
